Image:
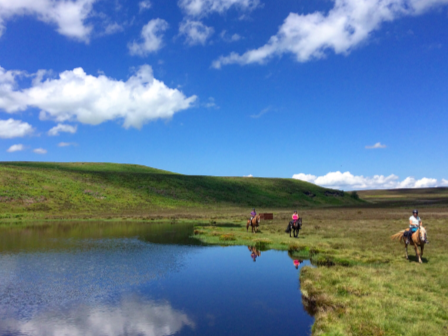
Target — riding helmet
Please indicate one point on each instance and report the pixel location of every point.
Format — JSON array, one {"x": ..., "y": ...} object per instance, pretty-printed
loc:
[{"x": 415, "y": 211}]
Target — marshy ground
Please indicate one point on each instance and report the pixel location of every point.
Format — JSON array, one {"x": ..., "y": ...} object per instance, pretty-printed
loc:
[{"x": 364, "y": 285}]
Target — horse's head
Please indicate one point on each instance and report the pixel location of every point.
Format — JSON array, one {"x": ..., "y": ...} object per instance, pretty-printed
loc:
[{"x": 422, "y": 233}]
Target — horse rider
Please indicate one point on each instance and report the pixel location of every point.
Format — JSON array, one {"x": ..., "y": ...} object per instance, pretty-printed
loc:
[
  {"x": 295, "y": 218},
  {"x": 252, "y": 214},
  {"x": 414, "y": 224}
]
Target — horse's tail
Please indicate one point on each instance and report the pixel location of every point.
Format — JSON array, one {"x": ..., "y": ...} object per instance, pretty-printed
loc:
[{"x": 398, "y": 235}]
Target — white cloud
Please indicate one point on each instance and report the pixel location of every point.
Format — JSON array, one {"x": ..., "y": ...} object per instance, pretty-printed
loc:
[
  {"x": 14, "y": 129},
  {"x": 62, "y": 128},
  {"x": 195, "y": 32},
  {"x": 113, "y": 28},
  {"x": 250, "y": 175},
  {"x": 348, "y": 181},
  {"x": 444, "y": 183},
  {"x": 233, "y": 38},
  {"x": 40, "y": 151},
  {"x": 305, "y": 177},
  {"x": 10, "y": 100},
  {"x": 68, "y": 16},
  {"x": 151, "y": 38},
  {"x": 202, "y": 8},
  {"x": 16, "y": 148},
  {"x": 262, "y": 112},
  {"x": 211, "y": 103},
  {"x": 344, "y": 27},
  {"x": 377, "y": 145},
  {"x": 66, "y": 144},
  {"x": 144, "y": 5},
  {"x": 76, "y": 96},
  {"x": 130, "y": 317}
]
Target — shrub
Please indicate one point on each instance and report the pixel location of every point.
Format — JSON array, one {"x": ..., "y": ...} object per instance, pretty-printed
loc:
[{"x": 354, "y": 195}]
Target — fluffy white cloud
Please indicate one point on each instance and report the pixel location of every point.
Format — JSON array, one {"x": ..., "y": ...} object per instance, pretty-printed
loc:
[
  {"x": 94, "y": 100},
  {"x": 195, "y": 32},
  {"x": 10, "y": 100},
  {"x": 151, "y": 38},
  {"x": 68, "y": 16},
  {"x": 201, "y": 8},
  {"x": 62, "y": 128},
  {"x": 444, "y": 183},
  {"x": 348, "y": 181},
  {"x": 14, "y": 129},
  {"x": 144, "y": 5},
  {"x": 40, "y": 151},
  {"x": 16, "y": 148},
  {"x": 377, "y": 145},
  {"x": 250, "y": 175},
  {"x": 343, "y": 28},
  {"x": 130, "y": 317}
]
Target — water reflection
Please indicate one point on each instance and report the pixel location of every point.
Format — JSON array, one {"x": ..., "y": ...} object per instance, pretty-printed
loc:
[
  {"x": 60, "y": 236},
  {"x": 254, "y": 253},
  {"x": 141, "y": 279},
  {"x": 131, "y": 317}
]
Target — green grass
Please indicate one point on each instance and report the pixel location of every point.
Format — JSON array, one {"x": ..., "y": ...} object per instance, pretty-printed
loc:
[
  {"x": 363, "y": 286},
  {"x": 100, "y": 190},
  {"x": 366, "y": 286}
]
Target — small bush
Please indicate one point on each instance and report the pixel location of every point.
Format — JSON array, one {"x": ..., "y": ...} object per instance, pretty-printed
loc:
[{"x": 354, "y": 195}]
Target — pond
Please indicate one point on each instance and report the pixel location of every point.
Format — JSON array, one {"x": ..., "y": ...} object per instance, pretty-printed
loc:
[{"x": 142, "y": 279}]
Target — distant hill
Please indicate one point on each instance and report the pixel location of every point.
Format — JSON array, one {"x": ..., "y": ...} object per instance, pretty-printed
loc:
[
  {"x": 406, "y": 197},
  {"x": 62, "y": 188}
]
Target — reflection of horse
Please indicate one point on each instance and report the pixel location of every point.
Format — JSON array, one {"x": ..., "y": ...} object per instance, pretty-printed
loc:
[
  {"x": 295, "y": 226},
  {"x": 255, "y": 253},
  {"x": 254, "y": 223},
  {"x": 418, "y": 239}
]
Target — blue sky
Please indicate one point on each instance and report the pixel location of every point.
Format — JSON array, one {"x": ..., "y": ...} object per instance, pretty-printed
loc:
[{"x": 231, "y": 87}]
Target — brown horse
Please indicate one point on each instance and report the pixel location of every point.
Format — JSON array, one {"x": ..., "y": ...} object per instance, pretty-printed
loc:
[
  {"x": 254, "y": 223},
  {"x": 418, "y": 239}
]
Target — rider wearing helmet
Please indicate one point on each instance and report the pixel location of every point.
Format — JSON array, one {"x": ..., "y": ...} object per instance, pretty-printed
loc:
[
  {"x": 295, "y": 218},
  {"x": 414, "y": 224},
  {"x": 252, "y": 214}
]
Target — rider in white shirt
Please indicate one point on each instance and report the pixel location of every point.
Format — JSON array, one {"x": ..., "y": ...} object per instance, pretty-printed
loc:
[{"x": 414, "y": 224}]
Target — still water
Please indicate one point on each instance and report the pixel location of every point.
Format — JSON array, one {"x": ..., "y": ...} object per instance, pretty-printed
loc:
[{"x": 142, "y": 279}]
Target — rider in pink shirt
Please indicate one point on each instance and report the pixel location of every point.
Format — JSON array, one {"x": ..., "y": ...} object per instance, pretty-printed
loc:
[{"x": 295, "y": 216}]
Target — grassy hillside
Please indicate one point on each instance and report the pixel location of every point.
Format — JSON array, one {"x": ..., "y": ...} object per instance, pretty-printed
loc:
[
  {"x": 63, "y": 188},
  {"x": 406, "y": 197}
]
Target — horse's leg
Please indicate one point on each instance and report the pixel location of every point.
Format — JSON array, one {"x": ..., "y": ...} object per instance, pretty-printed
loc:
[
  {"x": 417, "y": 254},
  {"x": 421, "y": 248},
  {"x": 406, "y": 250}
]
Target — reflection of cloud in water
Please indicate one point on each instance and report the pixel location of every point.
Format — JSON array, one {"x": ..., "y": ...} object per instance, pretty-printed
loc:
[
  {"x": 131, "y": 317},
  {"x": 32, "y": 282}
]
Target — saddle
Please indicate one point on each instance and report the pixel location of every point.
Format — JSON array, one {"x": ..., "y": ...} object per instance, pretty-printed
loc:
[{"x": 293, "y": 223}]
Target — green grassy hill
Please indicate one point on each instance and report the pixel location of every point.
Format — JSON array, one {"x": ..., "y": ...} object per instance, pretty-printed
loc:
[{"x": 107, "y": 188}]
